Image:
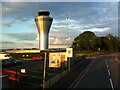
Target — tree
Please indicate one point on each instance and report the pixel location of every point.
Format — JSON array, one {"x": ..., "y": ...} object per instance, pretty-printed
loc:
[
  {"x": 88, "y": 41},
  {"x": 112, "y": 43},
  {"x": 85, "y": 41}
]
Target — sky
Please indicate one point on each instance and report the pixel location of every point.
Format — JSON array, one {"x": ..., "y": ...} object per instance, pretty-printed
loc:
[{"x": 19, "y": 29}]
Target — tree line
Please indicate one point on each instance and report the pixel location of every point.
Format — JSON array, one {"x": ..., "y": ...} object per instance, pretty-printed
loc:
[{"x": 88, "y": 41}]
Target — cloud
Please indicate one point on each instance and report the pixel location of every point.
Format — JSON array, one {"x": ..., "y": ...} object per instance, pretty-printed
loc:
[
  {"x": 60, "y": 1},
  {"x": 57, "y": 41},
  {"x": 23, "y": 36},
  {"x": 18, "y": 22},
  {"x": 28, "y": 44},
  {"x": 6, "y": 42},
  {"x": 61, "y": 40},
  {"x": 98, "y": 29},
  {"x": 37, "y": 38},
  {"x": 12, "y": 0},
  {"x": 9, "y": 24},
  {"x": 101, "y": 18}
]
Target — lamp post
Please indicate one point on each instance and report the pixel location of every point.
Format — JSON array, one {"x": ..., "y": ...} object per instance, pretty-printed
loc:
[
  {"x": 109, "y": 44},
  {"x": 67, "y": 30},
  {"x": 67, "y": 47},
  {"x": 89, "y": 47}
]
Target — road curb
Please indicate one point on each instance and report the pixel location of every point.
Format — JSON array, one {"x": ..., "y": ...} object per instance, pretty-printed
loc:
[
  {"x": 55, "y": 79},
  {"x": 52, "y": 81}
]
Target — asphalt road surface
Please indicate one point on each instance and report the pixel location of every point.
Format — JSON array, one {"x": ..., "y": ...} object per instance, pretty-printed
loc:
[{"x": 102, "y": 73}]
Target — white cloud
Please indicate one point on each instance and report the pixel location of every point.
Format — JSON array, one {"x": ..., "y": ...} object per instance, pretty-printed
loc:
[
  {"x": 60, "y": 1},
  {"x": 37, "y": 38},
  {"x": 96, "y": 17},
  {"x": 97, "y": 30},
  {"x": 60, "y": 40},
  {"x": 57, "y": 41},
  {"x": 59, "y": 26},
  {"x": 14, "y": 0}
]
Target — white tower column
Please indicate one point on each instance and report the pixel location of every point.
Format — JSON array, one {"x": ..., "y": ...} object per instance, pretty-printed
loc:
[{"x": 43, "y": 22}]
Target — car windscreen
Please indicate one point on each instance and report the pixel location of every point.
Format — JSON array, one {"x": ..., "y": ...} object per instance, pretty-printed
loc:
[{"x": 12, "y": 59}]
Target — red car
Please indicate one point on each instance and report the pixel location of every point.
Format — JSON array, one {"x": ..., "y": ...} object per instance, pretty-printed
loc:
[{"x": 38, "y": 58}]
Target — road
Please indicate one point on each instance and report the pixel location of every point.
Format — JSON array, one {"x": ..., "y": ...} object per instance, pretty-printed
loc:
[{"x": 101, "y": 73}]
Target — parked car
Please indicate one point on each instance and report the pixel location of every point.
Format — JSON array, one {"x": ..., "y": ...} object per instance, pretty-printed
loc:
[
  {"x": 6, "y": 63},
  {"x": 4, "y": 56},
  {"x": 15, "y": 61},
  {"x": 10, "y": 62},
  {"x": 37, "y": 58}
]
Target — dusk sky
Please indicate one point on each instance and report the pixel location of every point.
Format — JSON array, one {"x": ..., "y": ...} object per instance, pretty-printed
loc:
[{"x": 19, "y": 29}]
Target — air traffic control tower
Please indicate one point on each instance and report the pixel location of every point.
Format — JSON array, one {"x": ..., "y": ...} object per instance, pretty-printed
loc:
[{"x": 43, "y": 22}]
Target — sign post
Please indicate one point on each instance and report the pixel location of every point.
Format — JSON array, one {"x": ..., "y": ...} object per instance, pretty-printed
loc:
[
  {"x": 44, "y": 72},
  {"x": 69, "y": 52}
]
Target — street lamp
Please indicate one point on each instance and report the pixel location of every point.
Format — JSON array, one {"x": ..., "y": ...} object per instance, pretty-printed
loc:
[
  {"x": 99, "y": 49},
  {"x": 109, "y": 44},
  {"x": 67, "y": 30},
  {"x": 89, "y": 47},
  {"x": 68, "y": 61}
]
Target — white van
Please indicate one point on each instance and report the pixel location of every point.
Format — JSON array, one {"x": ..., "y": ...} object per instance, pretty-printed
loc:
[{"x": 5, "y": 56}]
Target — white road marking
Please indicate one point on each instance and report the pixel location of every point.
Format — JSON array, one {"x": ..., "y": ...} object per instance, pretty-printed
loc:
[
  {"x": 116, "y": 59},
  {"x": 111, "y": 83},
  {"x": 108, "y": 72},
  {"x": 110, "y": 80},
  {"x": 107, "y": 66},
  {"x": 3, "y": 76},
  {"x": 106, "y": 62},
  {"x": 109, "y": 75}
]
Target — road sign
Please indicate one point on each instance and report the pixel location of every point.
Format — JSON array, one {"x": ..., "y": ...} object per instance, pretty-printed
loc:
[
  {"x": 69, "y": 52},
  {"x": 54, "y": 60},
  {"x": 23, "y": 71}
]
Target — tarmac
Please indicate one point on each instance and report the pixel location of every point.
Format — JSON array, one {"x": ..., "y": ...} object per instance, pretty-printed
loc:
[{"x": 70, "y": 77}]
